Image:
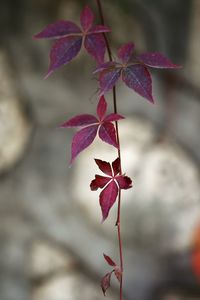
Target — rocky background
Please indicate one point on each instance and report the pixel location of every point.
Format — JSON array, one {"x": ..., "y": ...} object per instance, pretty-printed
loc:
[{"x": 51, "y": 239}]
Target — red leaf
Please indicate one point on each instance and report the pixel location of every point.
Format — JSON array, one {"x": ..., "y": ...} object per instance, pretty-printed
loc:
[
  {"x": 105, "y": 282},
  {"x": 109, "y": 260},
  {"x": 80, "y": 120},
  {"x": 125, "y": 52},
  {"x": 116, "y": 166},
  {"x": 101, "y": 108},
  {"x": 124, "y": 182},
  {"x": 138, "y": 78},
  {"x": 156, "y": 60},
  {"x": 82, "y": 139},
  {"x": 99, "y": 29},
  {"x": 107, "y": 198},
  {"x": 108, "y": 134},
  {"x": 58, "y": 29},
  {"x": 113, "y": 117},
  {"x": 104, "y": 166},
  {"x": 63, "y": 51},
  {"x": 99, "y": 182},
  {"x": 118, "y": 273},
  {"x": 108, "y": 79},
  {"x": 95, "y": 46},
  {"x": 86, "y": 18}
]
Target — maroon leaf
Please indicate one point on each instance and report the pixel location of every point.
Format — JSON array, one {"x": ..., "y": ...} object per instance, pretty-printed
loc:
[
  {"x": 58, "y": 29},
  {"x": 105, "y": 282},
  {"x": 99, "y": 29},
  {"x": 116, "y": 166},
  {"x": 95, "y": 46},
  {"x": 80, "y": 120},
  {"x": 108, "y": 79},
  {"x": 110, "y": 184},
  {"x": 108, "y": 66},
  {"x": 107, "y": 198},
  {"x": 109, "y": 260},
  {"x": 86, "y": 18},
  {"x": 138, "y": 78},
  {"x": 104, "y": 166},
  {"x": 156, "y": 60},
  {"x": 99, "y": 182},
  {"x": 118, "y": 273},
  {"x": 113, "y": 117},
  {"x": 82, "y": 139},
  {"x": 63, "y": 51},
  {"x": 124, "y": 182},
  {"x": 101, "y": 108},
  {"x": 125, "y": 52},
  {"x": 107, "y": 134}
]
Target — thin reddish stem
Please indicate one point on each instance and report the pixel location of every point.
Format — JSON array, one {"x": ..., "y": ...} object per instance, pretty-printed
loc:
[{"x": 119, "y": 154}]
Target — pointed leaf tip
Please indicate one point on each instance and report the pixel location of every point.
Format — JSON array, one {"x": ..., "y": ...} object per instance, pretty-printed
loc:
[
  {"x": 82, "y": 139},
  {"x": 57, "y": 30},
  {"x": 104, "y": 166},
  {"x": 109, "y": 260},
  {"x": 101, "y": 107},
  {"x": 138, "y": 78},
  {"x": 86, "y": 18},
  {"x": 63, "y": 51},
  {"x": 156, "y": 60},
  {"x": 125, "y": 52}
]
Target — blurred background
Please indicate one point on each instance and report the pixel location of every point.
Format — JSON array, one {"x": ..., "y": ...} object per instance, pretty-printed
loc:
[{"x": 51, "y": 239}]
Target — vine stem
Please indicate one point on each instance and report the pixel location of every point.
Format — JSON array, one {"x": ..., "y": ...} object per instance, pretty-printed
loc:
[{"x": 118, "y": 222}]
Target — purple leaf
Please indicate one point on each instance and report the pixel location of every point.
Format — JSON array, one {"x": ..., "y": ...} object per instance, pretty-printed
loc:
[
  {"x": 80, "y": 120},
  {"x": 63, "y": 51},
  {"x": 124, "y": 182},
  {"x": 58, "y": 29},
  {"x": 95, "y": 46},
  {"x": 107, "y": 134},
  {"x": 125, "y": 52},
  {"x": 86, "y": 18},
  {"x": 82, "y": 139},
  {"x": 109, "y": 260},
  {"x": 138, "y": 78},
  {"x": 108, "y": 79},
  {"x": 156, "y": 60},
  {"x": 99, "y": 182},
  {"x": 105, "y": 282},
  {"x": 101, "y": 108},
  {"x": 104, "y": 166},
  {"x": 105, "y": 66},
  {"x": 99, "y": 29},
  {"x": 107, "y": 198},
  {"x": 113, "y": 117},
  {"x": 116, "y": 166}
]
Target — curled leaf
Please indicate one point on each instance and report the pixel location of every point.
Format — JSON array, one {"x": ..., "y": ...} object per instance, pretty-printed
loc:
[
  {"x": 105, "y": 282},
  {"x": 104, "y": 166}
]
